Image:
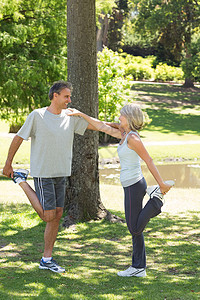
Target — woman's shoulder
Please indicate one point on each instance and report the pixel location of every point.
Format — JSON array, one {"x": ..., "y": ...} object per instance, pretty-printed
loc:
[
  {"x": 133, "y": 140},
  {"x": 134, "y": 136}
]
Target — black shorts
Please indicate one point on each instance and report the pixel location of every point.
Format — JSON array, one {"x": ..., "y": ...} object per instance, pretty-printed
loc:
[{"x": 50, "y": 191}]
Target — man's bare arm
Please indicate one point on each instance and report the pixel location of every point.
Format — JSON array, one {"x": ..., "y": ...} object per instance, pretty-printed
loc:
[{"x": 14, "y": 146}]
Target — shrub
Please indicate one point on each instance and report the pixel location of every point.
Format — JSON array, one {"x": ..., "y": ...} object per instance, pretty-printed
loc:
[
  {"x": 163, "y": 72},
  {"x": 139, "y": 71},
  {"x": 113, "y": 86},
  {"x": 138, "y": 67}
]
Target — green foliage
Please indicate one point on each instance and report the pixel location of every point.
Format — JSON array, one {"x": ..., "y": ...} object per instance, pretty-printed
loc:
[
  {"x": 163, "y": 72},
  {"x": 116, "y": 21},
  {"x": 104, "y": 6},
  {"x": 113, "y": 87},
  {"x": 191, "y": 64},
  {"x": 172, "y": 23},
  {"x": 142, "y": 69},
  {"x": 32, "y": 54},
  {"x": 138, "y": 67},
  {"x": 132, "y": 39}
]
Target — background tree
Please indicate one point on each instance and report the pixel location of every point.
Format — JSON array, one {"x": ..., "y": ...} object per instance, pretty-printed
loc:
[
  {"x": 172, "y": 22},
  {"x": 116, "y": 22},
  {"x": 32, "y": 54},
  {"x": 191, "y": 64},
  {"x": 103, "y": 10},
  {"x": 83, "y": 199}
]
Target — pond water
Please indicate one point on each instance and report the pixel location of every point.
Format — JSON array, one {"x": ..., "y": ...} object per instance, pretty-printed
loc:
[{"x": 186, "y": 175}]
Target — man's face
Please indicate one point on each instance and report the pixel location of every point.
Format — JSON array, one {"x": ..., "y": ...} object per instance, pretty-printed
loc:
[{"x": 63, "y": 98}]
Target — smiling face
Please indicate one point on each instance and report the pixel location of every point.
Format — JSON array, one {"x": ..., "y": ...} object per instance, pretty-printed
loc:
[{"x": 62, "y": 98}]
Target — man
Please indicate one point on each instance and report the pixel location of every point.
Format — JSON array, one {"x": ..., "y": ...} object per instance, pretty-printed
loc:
[{"x": 52, "y": 133}]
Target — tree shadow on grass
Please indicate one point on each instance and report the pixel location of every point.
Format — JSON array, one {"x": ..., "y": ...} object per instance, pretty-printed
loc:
[
  {"x": 176, "y": 93},
  {"x": 167, "y": 121},
  {"x": 93, "y": 252}
]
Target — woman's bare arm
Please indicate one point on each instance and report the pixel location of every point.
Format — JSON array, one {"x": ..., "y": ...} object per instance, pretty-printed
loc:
[
  {"x": 99, "y": 125},
  {"x": 136, "y": 144}
]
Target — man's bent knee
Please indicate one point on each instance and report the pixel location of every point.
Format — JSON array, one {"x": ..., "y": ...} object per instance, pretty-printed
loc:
[{"x": 49, "y": 215}]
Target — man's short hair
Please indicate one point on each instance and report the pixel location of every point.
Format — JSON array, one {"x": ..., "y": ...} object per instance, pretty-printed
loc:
[{"x": 58, "y": 86}]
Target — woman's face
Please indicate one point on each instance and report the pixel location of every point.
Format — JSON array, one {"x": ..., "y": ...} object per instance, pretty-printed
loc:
[{"x": 123, "y": 122}]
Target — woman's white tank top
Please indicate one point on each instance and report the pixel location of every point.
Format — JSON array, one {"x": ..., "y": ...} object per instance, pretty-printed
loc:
[{"x": 130, "y": 164}]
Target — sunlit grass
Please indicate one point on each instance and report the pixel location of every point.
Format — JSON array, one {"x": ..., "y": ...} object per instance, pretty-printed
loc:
[
  {"x": 161, "y": 152},
  {"x": 92, "y": 253}
]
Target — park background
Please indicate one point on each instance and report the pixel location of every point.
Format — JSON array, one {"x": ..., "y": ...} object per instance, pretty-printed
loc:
[{"x": 150, "y": 70}]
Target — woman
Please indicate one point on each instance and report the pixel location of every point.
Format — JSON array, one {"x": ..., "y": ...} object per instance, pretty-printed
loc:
[{"x": 130, "y": 151}]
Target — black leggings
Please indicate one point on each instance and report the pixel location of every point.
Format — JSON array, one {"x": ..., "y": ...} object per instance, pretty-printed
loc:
[{"x": 138, "y": 217}]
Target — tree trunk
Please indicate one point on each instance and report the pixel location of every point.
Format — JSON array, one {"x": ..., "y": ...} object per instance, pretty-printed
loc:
[
  {"x": 188, "y": 83},
  {"x": 189, "y": 80},
  {"x": 83, "y": 198},
  {"x": 102, "y": 33}
]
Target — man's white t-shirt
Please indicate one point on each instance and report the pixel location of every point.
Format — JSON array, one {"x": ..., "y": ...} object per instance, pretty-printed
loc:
[{"x": 51, "y": 141}]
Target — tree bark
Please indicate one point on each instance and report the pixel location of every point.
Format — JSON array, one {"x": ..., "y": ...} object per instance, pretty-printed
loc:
[
  {"x": 189, "y": 80},
  {"x": 83, "y": 201},
  {"x": 188, "y": 83},
  {"x": 102, "y": 33}
]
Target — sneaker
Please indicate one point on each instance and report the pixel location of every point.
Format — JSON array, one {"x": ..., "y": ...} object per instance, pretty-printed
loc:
[
  {"x": 51, "y": 265},
  {"x": 154, "y": 190},
  {"x": 20, "y": 175},
  {"x": 131, "y": 271}
]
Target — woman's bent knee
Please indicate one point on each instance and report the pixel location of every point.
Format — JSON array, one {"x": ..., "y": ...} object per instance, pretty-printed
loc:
[{"x": 135, "y": 232}]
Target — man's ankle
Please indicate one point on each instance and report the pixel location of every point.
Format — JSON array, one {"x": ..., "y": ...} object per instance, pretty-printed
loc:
[{"x": 45, "y": 259}]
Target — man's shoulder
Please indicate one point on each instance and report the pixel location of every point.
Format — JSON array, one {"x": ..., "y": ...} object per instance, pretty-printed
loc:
[
  {"x": 65, "y": 113},
  {"x": 40, "y": 110}
]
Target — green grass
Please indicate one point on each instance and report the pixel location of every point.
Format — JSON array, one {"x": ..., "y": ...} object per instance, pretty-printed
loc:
[
  {"x": 160, "y": 154},
  {"x": 174, "y": 111},
  {"x": 166, "y": 121},
  {"x": 174, "y": 94},
  {"x": 93, "y": 253},
  {"x": 175, "y": 115}
]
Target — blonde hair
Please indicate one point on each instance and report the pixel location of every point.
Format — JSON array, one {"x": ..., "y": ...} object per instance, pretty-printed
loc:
[{"x": 134, "y": 116}]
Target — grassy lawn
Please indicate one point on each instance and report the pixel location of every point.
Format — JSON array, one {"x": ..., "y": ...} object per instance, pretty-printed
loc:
[
  {"x": 93, "y": 252},
  {"x": 162, "y": 153},
  {"x": 174, "y": 111}
]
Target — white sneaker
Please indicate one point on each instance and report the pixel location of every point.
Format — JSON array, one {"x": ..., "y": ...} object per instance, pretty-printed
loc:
[
  {"x": 20, "y": 175},
  {"x": 131, "y": 271},
  {"x": 154, "y": 190}
]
